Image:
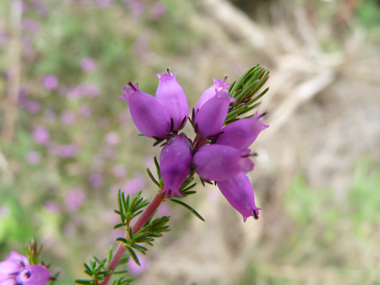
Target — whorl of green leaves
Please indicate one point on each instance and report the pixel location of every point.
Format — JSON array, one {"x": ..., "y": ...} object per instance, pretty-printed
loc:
[
  {"x": 33, "y": 252},
  {"x": 147, "y": 234},
  {"x": 129, "y": 208},
  {"x": 246, "y": 92},
  {"x": 97, "y": 270}
]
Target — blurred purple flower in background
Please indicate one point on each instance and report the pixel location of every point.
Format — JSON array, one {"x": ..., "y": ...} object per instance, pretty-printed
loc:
[
  {"x": 68, "y": 118},
  {"x": 112, "y": 139},
  {"x": 49, "y": 116},
  {"x": 64, "y": 151},
  {"x": 103, "y": 3},
  {"x": 4, "y": 36},
  {"x": 141, "y": 47},
  {"x": 39, "y": 6},
  {"x": 74, "y": 199},
  {"x": 119, "y": 170},
  {"x": 30, "y": 25},
  {"x": 33, "y": 158},
  {"x": 95, "y": 180},
  {"x": 50, "y": 82},
  {"x": 137, "y": 7},
  {"x": 51, "y": 207},
  {"x": 88, "y": 64},
  {"x": 28, "y": 50},
  {"x": 157, "y": 10},
  {"x": 41, "y": 135},
  {"x": 89, "y": 89},
  {"x": 85, "y": 111},
  {"x": 33, "y": 107},
  {"x": 136, "y": 269}
]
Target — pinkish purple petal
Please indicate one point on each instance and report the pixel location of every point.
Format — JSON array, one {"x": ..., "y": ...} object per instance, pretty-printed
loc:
[
  {"x": 211, "y": 116},
  {"x": 239, "y": 193},
  {"x": 241, "y": 134},
  {"x": 175, "y": 161},
  {"x": 34, "y": 275},
  {"x": 171, "y": 95},
  {"x": 219, "y": 162},
  {"x": 210, "y": 92},
  {"x": 149, "y": 115}
]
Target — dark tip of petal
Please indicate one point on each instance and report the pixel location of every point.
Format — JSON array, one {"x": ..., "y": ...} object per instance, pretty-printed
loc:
[
  {"x": 170, "y": 193},
  {"x": 215, "y": 183},
  {"x": 225, "y": 78},
  {"x": 262, "y": 115},
  {"x": 171, "y": 124},
  {"x": 256, "y": 214},
  {"x": 168, "y": 70},
  {"x": 182, "y": 123},
  {"x": 131, "y": 85}
]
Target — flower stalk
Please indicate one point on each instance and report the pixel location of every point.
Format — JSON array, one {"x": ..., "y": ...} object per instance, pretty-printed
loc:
[{"x": 144, "y": 217}]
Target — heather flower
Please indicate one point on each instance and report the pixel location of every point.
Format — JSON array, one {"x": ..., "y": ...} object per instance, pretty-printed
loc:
[
  {"x": 219, "y": 162},
  {"x": 134, "y": 185},
  {"x": 241, "y": 134},
  {"x": 95, "y": 180},
  {"x": 68, "y": 118},
  {"x": 148, "y": 114},
  {"x": 30, "y": 25},
  {"x": 175, "y": 161},
  {"x": 157, "y": 11},
  {"x": 85, "y": 111},
  {"x": 33, "y": 158},
  {"x": 88, "y": 64},
  {"x": 74, "y": 199},
  {"x": 41, "y": 135},
  {"x": 112, "y": 139},
  {"x": 171, "y": 95},
  {"x": 33, "y": 107},
  {"x": 211, "y": 116},
  {"x": 34, "y": 275},
  {"x": 11, "y": 266},
  {"x": 239, "y": 193},
  {"x": 119, "y": 170},
  {"x": 210, "y": 92},
  {"x": 50, "y": 82}
]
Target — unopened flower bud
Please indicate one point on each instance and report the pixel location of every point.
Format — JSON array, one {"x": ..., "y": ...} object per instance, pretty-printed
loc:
[
  {"x": 241, "y": 134},
  {"x": 219, "y": 162},
  {"x": 149, "y": 115},
  {"x": 175, "y": 161},
  {"x": 171, "y": 95},
  {"x": 210, "y": 92},
  {"x": 211, "y": 116},
  {"x": 239, "y": 193}
]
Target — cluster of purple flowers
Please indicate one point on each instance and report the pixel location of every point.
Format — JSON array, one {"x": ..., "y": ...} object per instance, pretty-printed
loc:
[
  {"x": 216, "y": 154},
  {"x": 16, "y": 270}
]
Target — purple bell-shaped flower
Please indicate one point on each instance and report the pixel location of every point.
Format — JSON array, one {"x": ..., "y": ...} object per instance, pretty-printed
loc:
[
  {"x": 239, "y": 193},
  {"x": 241, "y": 134},
  {"x": 149, "y": 115},
  {"x": 14, "y": 263},
  {"x": 34, "y": 275},
  {"x": 175, "y": 161},
  {"x": 210, "y": 92},
  {"x": 219, "y": 162},
  {"x": 171, "y": 95},
  {"x": 211, "y": 116}
]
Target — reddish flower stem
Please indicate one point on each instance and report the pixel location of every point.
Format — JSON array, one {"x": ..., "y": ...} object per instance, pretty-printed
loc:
[{"x": 144, "y": 217}]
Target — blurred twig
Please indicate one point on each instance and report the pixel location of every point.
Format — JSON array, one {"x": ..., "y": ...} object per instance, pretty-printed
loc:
[{"x": 13, "y": 78}]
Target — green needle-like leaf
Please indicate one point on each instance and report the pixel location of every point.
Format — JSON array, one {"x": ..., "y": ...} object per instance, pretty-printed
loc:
[
  {"x": 133, "y": 254},
  {"x": 189, "y": 208},
  {"x": 152, "y": 177}
]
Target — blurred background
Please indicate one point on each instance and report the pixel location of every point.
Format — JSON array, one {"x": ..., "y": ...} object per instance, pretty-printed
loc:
[{"x": 68, "y": 143}]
